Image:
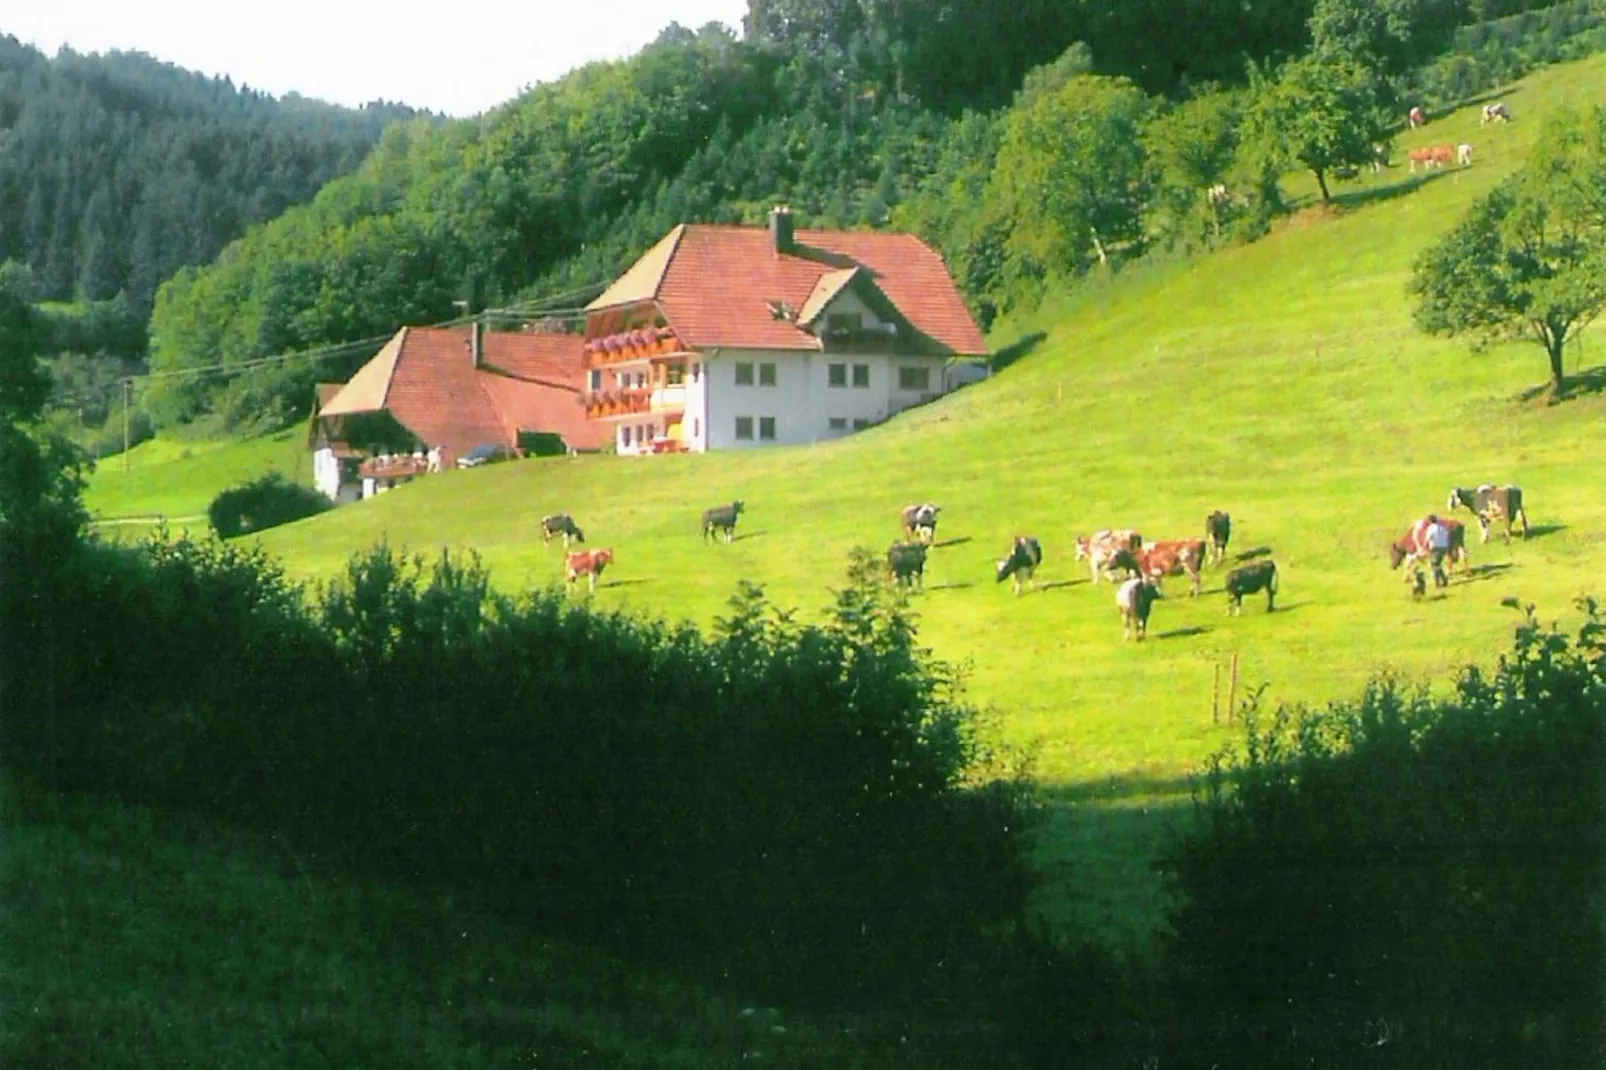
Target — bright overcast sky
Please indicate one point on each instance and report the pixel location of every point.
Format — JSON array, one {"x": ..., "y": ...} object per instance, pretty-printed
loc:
[{"x": 454, "y": 56}]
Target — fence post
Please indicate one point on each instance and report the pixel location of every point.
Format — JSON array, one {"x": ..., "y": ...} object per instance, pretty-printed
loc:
[
  {"x": 1215, "y": 696},
  {"x": 1232, "y": 691}
]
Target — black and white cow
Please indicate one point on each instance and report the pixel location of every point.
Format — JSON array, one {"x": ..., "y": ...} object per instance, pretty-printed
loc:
[
  {"x": 561, "y": 524},
  {"x": 722, "y": 518},
  {"x": 906, "y": 563},
  {"x": 1259, "y": 576},
  {"x": 1134, "y": 599},
  {"x": 1218, "y": 529},
  {"x": 1025, "y": 554},
  {"x": 920, "y": 521},
  {"x": 1491, "y": 503}
]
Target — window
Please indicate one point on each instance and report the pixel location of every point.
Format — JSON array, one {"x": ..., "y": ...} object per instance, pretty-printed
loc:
[
  {"x": 766, "y": 428},
  {"x": 843, "y": 322},
  {"x": 861, "y": 375},
  {"x": 836, "y": 375},
  {"x": 744, "y": 373},
  {"x": 766, "y": 374},
  {"x": 837, "y": 423},
  {"x": 676, "y": 375},
  {"x": 696, "y": 371},
  {"x": 744, "y": 427},
  {"x": 914, "y": 378},
  {"x": 696, "y": 427},
  {"x": 596, "y": 379},
  {"x": 624, "y": 437},
  {"x": 860, "y": 425}
]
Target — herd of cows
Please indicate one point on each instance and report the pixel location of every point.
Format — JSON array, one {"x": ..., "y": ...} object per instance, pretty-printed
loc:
[{"x": 1138, "y": 567}]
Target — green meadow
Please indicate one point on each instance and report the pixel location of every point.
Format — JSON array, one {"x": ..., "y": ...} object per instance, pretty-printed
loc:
[{"x": 1281, "y": 381}]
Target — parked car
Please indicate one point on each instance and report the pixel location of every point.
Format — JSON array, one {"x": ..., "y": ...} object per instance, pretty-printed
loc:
[{"x": 488, "y": 453}]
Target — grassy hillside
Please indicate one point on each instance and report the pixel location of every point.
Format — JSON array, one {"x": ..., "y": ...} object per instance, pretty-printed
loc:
[
  {"x": 175, "y": 478},
  {"x": 1282, "y": 381}
]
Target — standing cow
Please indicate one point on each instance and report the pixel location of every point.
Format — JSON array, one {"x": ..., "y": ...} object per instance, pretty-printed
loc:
[
  {"x": 587, "y": 563},
  {"x": 1495, "y": 112},
  {"x": 906, "y": 564},
  {"x": 1412, "y": 547},
  {"x": 1109, "y": 550},
  {"x": 1158, "y": 560},
  {"x": 1218, "y": 529},
  {"x": 1491, "y": 503},
  {"x": 1134, "y": 599},
  {"x": 1025, "y": 554},
  {"x": 920, "y": 521},
  {"x": 722, "y": 518},
  {"x": 1416, "y": 118},
  {"x": 561, "y": 524},
  {"x": 1259, "y": 576}
]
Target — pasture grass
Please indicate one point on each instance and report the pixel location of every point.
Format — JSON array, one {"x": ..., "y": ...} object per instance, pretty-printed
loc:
[
  {"x": 177, "y": 478},
  {"x": 1282, "y": 381}
]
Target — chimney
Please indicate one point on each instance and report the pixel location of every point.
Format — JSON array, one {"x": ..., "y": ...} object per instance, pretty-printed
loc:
[
  {"x": 781, "y": 230},
  {"x": 476, "y": 342}
]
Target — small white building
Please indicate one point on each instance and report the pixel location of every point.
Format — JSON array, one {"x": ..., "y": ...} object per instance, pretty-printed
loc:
[{"x": 725, "y": 337}]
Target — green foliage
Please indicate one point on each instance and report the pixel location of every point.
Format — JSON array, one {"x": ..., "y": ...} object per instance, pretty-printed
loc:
[
  {"x": 1321, "y": 112},
  {"x": 1188, "y": 149},
  {"x": 1422, "y": 870},
  {"x": 263, "y": 503},
  {"x": 1529, "y": 259}
]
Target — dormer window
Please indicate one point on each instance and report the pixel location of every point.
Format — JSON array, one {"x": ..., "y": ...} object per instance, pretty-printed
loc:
[{"x": 842, "y": 323}]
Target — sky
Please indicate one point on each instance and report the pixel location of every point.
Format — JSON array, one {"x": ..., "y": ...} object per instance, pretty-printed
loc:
[{"x": 459, "y": 57}]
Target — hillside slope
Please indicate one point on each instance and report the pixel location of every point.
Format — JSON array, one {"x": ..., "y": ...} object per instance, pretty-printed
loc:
[{"x": 1281, "y": 381}]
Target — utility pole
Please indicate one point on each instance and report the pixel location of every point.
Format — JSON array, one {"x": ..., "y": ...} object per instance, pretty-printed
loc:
[{"x": 128, "y": 393}]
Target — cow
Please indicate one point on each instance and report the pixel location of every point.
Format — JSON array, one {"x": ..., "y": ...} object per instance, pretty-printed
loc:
[
  {"x": 1463, "y": 154},
  {"x": 1412, "y": 547},
  {"x": 1157, "y": 560},
  {"x": 1495, "y": 112},
  {"x": 1101, "y": 548},
  {"x": 561, "y": 524},
  {"x": 906, "y": 563},
  {"x": 722, "y": 518},
  {"x": 1380, "y": 158},
  {"x": 1218, "y": 529},
  {"x": 920, "y": 521},
  {"x": 1025, "y": 554},
  {"x": 1416, "y": 118},
  {"x": 1489, "y": 502},
  {"x": 1431, "y": 156},
  {"x": 587, "y": 563},
  {"x": 1247, "y": 579},
  {"x": 1134, "y": 599}
]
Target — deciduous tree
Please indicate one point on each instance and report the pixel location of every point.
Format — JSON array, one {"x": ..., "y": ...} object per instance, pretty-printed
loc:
[{"x": 1322, "y": 113}]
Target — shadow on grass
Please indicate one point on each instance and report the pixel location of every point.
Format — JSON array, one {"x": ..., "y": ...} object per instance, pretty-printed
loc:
[
  {"x": 951, "y": 542},
  {"x": 1054, "y": 585},
  {"x": 962, "y": 585},
  {"x": 1486, "y": 572},
  {"x": 1352, "y": 199},
  {"x": 1118, "y": 788},
  {"x": 1017, "y": 349},
  {"x": 1580, "y": 384},
  {"x": 620, "y": 583},
  {"x": 1182, "y": 633},
  {"x": 750, "y": 535},
  {"x": 1253, "y": 554},
  {"x": 1539, "y": 531}
]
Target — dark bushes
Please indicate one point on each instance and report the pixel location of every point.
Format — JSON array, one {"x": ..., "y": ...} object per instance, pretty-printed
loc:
[
  {"x": 804, "y": 806},
  {"x": 1410, "y": 882},
  {"x": 263, "y": 503}
]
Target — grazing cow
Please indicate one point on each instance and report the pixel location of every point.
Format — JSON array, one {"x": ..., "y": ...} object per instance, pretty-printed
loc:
[
  {"x": 1488, "y": 503},
  {"x": 1416, "y": 118},
  {"x": 1463, "y": 154},
  {"x": 1412, "y": 547},
  {"x": 1025, "y": 555},
  {"x": 1101, "y": 548},
  {"x": 1380, "y": 157},
  {"x": 906, "y": 563},
  {"x": 1495, "y": 112},
  {"x": 1157, "y": 560},
  {"x": 1219, "y": 196},
  {"x": 1218, "y": 529},
  {"x": 920, "y": 521},
  {"x": 1134, "y": 599},
  {"x": 1258, "y": 576},
  {"x": 722, "y": 518},
  {"x": 587, "y": 563},
  {"x": 561, "y": 524}
]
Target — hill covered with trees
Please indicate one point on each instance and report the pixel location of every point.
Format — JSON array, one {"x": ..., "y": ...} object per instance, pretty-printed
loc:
[
  {"x": 928, "y": 115},
  {"x": 116, "y": 170}
]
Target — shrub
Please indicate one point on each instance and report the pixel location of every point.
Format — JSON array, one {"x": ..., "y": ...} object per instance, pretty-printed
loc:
[
  {"x": 263, "y": 503},
  {"x": 1407, "y": 871}
]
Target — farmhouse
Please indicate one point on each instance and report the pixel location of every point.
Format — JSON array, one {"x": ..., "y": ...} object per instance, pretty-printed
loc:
[
  {"x": 724, "y": 337},
  {"x": 433, "y": 394}
]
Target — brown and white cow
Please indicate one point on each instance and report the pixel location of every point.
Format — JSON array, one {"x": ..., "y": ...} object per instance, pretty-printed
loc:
[
  {"x": 1490, "y": 503},
  {"x": 1413, "y": 547},
  {"x": 1134, "y": 599},
  {"x": 1174, "y": 557},
  {"x": 920, "y": 521},
  {"x": 1431, "y": 156},
  {"x": 1103, "y": 551},
  {"x": 587, "y": 563}
]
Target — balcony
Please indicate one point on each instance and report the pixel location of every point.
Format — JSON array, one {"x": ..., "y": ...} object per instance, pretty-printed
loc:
[
  {"x": 605, "y": 404},
  {"x": 646, "y": 343},
  {"x": 669, "y": 399}
]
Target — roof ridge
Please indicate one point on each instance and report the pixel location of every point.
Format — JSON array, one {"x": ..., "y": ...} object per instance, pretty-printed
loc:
[{"x": 390, "y": 380}]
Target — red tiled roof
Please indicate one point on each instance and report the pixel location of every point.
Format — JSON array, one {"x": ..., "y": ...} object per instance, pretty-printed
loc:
[
  {"x": 425, "y": 378},
  {"x": 716, "y": 285}
]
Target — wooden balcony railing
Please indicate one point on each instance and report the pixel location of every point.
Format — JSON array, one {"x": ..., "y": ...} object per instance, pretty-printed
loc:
[
  {"x": 643, "y": 344},
  {"x": 601, "y": 404}
]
